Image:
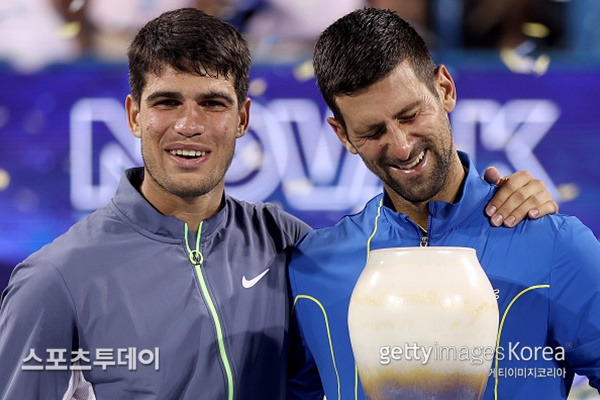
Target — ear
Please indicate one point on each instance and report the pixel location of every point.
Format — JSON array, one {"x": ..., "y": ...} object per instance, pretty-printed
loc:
[
  {"x": 446, "y": 88},
  {"x": 244, "y": 119},
  {"x": 342, "y": 135},
  {"x": 133, "y": 113}
]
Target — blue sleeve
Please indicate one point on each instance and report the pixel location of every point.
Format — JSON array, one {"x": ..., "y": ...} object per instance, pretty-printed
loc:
[
  {"x": 303, "y": 380},
  {"x": 575, "y": 298},
  {"x": 36, "y": 318}
]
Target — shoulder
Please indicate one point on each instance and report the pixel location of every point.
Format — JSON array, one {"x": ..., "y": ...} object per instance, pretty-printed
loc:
[
  {"x": 36, "y": 284},
  {"x": 266, "y": 218},
  {"x": 564, "y": 230},
  {"x": 570, "y": 248},
  {"x": 79, "y": 238},
  {"x": 333, "y": 256},
  {"x": 574, "y": 240},
  {"x": 63, "y": 263},
  {"x": 69, "y": 257},
  {"x": 348, "y": 229}
]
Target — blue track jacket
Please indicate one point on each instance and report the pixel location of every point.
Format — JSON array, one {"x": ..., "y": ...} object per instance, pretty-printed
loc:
[
  {"x": 123, "y": 307},
  {"x": 546, "y": 274}
]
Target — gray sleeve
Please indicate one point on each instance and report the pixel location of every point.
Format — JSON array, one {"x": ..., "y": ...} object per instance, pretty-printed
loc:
[
  {"x": 36, "y": 323},
  {"x": 293, "y": 227}
]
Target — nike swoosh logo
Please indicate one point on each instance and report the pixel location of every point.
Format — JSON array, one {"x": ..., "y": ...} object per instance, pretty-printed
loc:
[{"x": 249, "y": 283}]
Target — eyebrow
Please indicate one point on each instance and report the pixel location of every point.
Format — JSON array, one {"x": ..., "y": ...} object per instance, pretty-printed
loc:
[
  {"x": 165, "y": 94},
  {"x": 213, "y": 94},
  {"x": 216, "y": 94},
  {"x": 398, "y": 115},
  {"x": 408, "y": 108}
]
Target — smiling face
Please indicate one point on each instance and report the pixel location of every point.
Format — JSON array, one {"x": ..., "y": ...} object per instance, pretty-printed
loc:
[
  {"x": 402, "y": 132},
  {"x": 188, "y": 125}
]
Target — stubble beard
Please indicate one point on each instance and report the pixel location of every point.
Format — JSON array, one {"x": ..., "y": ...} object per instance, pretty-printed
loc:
[
  {"x": 205, "y": 183},
  {"x": 420, "y": 188}
]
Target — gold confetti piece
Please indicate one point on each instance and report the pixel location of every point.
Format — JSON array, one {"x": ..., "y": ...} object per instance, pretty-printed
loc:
[
  {"x": 541, "y": 64},
  {"x": 535, "y": 29},
  {"x": 568, "y": 192},
  {"x": 524, "y": 64},
  {"x": 4, "y": 179},
  {"x": 257, "y": 87},
  {"x": 69, "y": 30},
  {"x": 304, "y": 71}
]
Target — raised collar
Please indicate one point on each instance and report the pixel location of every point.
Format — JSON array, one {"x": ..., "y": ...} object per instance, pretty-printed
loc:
[
  {"x": 445, "y": 216},
  {"x": 129, "y": 203}
]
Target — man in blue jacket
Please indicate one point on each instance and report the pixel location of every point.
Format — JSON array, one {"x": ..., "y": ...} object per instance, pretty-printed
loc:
[
  {"x": 390, "y": 106},
  {"x": 174, "y": 290}
]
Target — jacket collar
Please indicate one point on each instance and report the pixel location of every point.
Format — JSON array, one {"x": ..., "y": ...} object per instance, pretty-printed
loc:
[
  {"x": 129, "y": 203},
  {"x": 445, "y": 216}
]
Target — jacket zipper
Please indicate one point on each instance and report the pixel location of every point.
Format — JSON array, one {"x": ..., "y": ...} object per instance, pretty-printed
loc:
[
  {"x": 425, "y": 235},
  {"x": 197, "y": 259}
]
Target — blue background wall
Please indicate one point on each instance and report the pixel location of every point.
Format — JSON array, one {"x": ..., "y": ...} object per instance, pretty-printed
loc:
[{"x": 64, "y": 142}]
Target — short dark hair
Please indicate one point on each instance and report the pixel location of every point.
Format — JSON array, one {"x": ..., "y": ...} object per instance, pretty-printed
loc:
[
  {"x": 189, "y": 40},
  {"x": 362, "y": 48}
]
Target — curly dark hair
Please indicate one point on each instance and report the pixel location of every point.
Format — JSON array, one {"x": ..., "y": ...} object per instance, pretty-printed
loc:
[{"x": 189, "y": 40}]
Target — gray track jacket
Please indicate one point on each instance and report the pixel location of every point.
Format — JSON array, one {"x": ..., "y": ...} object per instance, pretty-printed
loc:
[{"x": 122, "y": 306}]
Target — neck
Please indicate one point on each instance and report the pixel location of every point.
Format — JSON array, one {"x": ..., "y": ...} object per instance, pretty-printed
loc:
[
  {"x": 419, "y": 212},
  {"x": 191, "y": 210}
]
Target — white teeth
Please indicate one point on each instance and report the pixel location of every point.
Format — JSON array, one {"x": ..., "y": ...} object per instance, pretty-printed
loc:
[
  {"x": 414, "y": 163},
  {"x": 188, "y": 153}
]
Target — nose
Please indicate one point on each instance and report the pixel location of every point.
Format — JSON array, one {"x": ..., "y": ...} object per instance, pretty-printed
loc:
[
  {"x": 188, "y": 122},
  {"x": 399, "y": 144}
]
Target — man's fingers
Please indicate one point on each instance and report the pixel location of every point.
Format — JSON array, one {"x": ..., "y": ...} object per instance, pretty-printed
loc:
[
  {"x": 492, "y": 175},
  {"x": 511, "y": 186},
  {"x": 527, "y": 208},
  {"x": 550, "y": 207},
  {"x": 518, "y": 197},
  {"x": 532, "y": 199}
]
